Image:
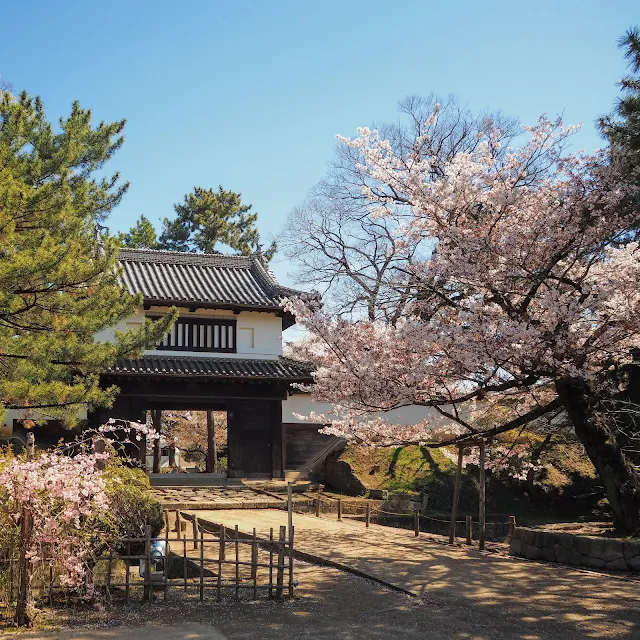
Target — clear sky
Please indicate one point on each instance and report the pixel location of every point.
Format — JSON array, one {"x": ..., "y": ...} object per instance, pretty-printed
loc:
[{"x": 250, "y": 94}]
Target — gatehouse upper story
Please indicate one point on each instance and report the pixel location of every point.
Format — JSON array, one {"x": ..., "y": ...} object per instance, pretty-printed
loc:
[{"x": 230, "y": 306}]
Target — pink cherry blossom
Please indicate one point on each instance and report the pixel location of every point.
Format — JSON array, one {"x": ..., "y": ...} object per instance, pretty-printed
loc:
[{"x": 532, "y": 278}]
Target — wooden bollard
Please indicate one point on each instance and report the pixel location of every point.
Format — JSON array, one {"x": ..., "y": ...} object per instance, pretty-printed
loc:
[
  {"x": 469, "y": 524},
  {"x": 99, "y": 448},
  {"x": 194, "y": 523},
  {"x": 482, "y": 496},
  {"x": 318, "y": 506},
  {"x": 367, "y": 516},
  {"x": 416, "y": 523},
  {"x": 147, "y": 562},
  {"x": 339, "y": 508},
  {"x": 178, "y": 525},
  {"x": 165, "y": 519}
]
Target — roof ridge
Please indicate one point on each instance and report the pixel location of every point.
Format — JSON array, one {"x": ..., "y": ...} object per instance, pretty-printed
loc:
[
  {"x": 232, "y": 368},
  {"x": 188, "y": 355},
  {"x": 177, "y": 257}
]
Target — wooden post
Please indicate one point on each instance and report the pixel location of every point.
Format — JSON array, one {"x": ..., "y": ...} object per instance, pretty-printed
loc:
[
  {"x": 147, "y": 562},
  {"x": 109, "y": 570},
  {"x": 24, "y": 571},
  {"x": 271, "y": 562},
  {"x": 212, "y": 450},
  {"x": 291, "y": 562},
  {"x": 165, "y": 562},
  {"x": 185, "y": 564},
  {"x": 318, "y": 505},
  {"x": 367, "y": 517},
  {"x": 289, "y": 508},
  {"x": 456, "y": 498},
  {"x": 482, "y": 496},
  {"x": 512, "y": 526},
  {"x": 339, "y": 508},
  {"x": 194, "y": 524},
  {"x": 31, "y": 445},
  {"x": 157, "y": 450},
  {"x": 178, "y": 526},
  {"x": 280, "y": 568},
  {"x": 51, "y": 580},
  {"x": 416, "y": 523},
  {"x": 469, "y": 528},
  {"x": 223, "y": 537},
  {"x": 220, "y": 559},
  {"x": 254, "y": 564},
  {"x": 201, "y": 564},
  {"x": 99, "y": 448},
  {"x": 127, "y": 573},
  {"x": 237, "y": 564}
]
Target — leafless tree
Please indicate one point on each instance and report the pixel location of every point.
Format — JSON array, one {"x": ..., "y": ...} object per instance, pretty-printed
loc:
[{"x": 357, "y": 261}]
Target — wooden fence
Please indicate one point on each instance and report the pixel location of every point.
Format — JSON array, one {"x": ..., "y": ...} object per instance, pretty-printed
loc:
[{"x": 203, "y": 563}]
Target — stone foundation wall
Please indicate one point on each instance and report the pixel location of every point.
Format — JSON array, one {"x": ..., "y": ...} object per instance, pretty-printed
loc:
[
  {"x": 339, "y": 476},
  {"x": 584, "y": 551}
]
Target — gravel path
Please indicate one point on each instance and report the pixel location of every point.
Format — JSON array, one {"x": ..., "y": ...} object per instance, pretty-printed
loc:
[{"x": 491, "y": 586}]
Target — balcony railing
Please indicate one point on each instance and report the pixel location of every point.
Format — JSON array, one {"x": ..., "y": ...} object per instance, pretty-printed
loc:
[{"x": 200, "y": 334}]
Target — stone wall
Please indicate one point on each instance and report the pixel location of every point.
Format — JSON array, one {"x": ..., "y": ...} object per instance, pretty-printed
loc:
[
  {"x": 339, "y": 476},
  {"x": 584, "y": 551}
]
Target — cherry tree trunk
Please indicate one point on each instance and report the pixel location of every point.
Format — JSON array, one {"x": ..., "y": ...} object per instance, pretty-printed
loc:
[
  {"x": 157, "y": 450},
  {"x": 620, "y": 479},
  {"x": 24, "y": 570}
]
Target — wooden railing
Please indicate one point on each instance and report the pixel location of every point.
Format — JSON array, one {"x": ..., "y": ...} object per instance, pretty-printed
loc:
[{"x": 207, "y": 561}]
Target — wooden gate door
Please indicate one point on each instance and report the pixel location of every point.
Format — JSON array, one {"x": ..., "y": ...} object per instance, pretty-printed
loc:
[{"x": 250, "y": 434}]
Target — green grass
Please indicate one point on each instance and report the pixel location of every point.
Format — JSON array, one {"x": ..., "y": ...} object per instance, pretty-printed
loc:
[{"x": 563, "y": 490}]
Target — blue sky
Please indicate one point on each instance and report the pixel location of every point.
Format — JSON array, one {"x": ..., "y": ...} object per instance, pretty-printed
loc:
[{"x": 250, "y": 95}]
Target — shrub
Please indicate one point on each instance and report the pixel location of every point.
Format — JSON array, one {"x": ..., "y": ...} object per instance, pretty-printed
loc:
[{"x": 132, "y": 506}]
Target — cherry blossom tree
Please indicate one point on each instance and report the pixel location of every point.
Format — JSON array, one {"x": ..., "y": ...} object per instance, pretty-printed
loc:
[
  {"x": 356, "y": 261},
  {"x": 528, "y": 298},
  {"x": 55, "y": 508}
]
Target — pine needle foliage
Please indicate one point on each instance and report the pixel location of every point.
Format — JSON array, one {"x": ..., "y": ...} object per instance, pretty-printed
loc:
[
  {"x": 622, "y": 127},
  {"x": 207, "y": 218},
  {"x": 141, "y": 236},
  {"x": 58, "y": 278}
]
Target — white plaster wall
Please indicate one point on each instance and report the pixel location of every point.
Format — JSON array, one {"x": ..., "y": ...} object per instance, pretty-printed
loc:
[
  {"x": 301, "y": 403},
  {"x": 267, "y": 332},
  {"x": 6, "y": 423}
]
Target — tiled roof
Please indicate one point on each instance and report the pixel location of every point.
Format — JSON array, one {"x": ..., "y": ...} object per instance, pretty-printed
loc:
[
  {"x": 213, "y": 280},
  {"x": 225, "y": 368}
]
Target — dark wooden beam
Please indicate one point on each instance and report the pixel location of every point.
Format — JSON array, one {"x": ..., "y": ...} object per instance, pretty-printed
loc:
[{"x": 194, "y": 390}]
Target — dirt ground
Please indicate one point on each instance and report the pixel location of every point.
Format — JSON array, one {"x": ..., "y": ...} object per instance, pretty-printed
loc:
[
  {"x": 458, "y": 593},
  {"x": 334, "y": 605}
]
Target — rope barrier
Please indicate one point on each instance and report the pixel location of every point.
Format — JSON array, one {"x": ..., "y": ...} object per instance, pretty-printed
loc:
[{"x": 376, "y": 511}]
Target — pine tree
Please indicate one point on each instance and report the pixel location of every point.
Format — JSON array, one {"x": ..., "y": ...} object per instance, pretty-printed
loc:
[
  {"x": 209, "y": 218},
  {"x": 622, "y": 128},
  {"x": 142, "y": 236},
  {"x": 58, "y": 278}
]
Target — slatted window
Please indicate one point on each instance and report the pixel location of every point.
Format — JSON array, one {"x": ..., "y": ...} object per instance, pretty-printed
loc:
[{"x": 200, "y": 334}]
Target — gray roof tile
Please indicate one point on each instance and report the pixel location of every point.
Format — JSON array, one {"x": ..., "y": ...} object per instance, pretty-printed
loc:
[
  {"x": 171, "y": 277},
  {"x": 283, "y": 369}
]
